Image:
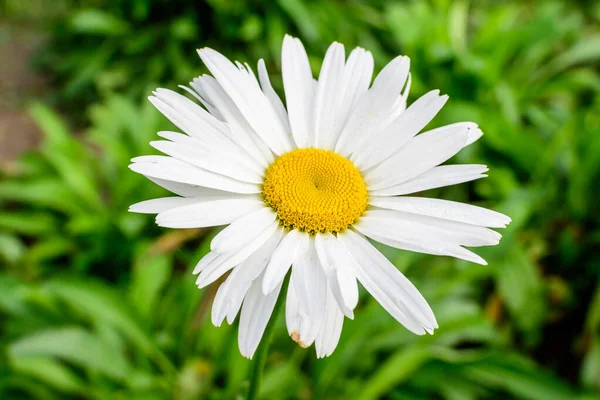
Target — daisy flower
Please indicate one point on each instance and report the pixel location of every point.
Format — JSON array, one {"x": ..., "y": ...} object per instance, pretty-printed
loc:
[{"x": 302, "y": 186}]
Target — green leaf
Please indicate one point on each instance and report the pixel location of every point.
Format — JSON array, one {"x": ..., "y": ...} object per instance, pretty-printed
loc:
[
  {"x": 521, "y": 289},
  {"x": 104, "y": 306},
  {"x": 11, "y": 248},
  {"x": 586, "y": 50},
  {"x": 27, "y": 223},
  {"x": 75, "y": 345},
  {"x": 51, "y": 372},
  {"x": 101, "y": 304},
  {"x": 518, "y": 376},
  {"x": 97, "y": 22},
  {"x": 150, "y": 275},
  {"x": 47, "y": 192},
  {"x": 399, "y": 367},
  {"x": 55, "y": 130}
]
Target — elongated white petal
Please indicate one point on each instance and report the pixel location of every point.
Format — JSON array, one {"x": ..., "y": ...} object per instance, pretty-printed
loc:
[
  {"x": 399, "y": 132},
  {"x": 389, "y": 286},
  {"x": 299, "y": 91},
  {"x": 155, "y": 206},
  {"x": 244, "y": 134},
  {"x": 310, "y": 284},
  {"x": 209, "y": 213},
  {"x": 452, "y": 231},
  {"x": 419, "y": 237},
  {"x": 339, "y": 267},
  {"x": 400, "y": 105},
  {"x": 185, "y": 190},
  {"x": 230, "y": 296},
  {"x": 355, "y": 83},
  {"x": 226, "y": 261},
  {"x": 421, "y": 154},
  {"x": 331, "y": 328},
  {"x": 326, "y": 102},
  {"x": 225, "y": 147},
  {"x": 256, "y": 312},
  {"x": 298, "y": 322},
  {"x": 473, "y": 134},
  {"x": 231, "y": 293},
  {"x": 419, "y": 244},
  {"x": 242, "y": 231},
  {"x": 189, "y": 116},
  {"x": 249, "y": 98},
  {"x": 236, "y": 149},
  {"x": 310, "y": 280},
  {"x": 373, "y": 108},
  {"x": 293, "y": 246},
  {"x": 273, "y": 97},
  {"x": 227, "y": 164},
  {"x": 445, "y": 175},
  {"x": 444, "y": 209},
  {"x": 201, "y": 192},
  {"x": 174, "y": 170}
]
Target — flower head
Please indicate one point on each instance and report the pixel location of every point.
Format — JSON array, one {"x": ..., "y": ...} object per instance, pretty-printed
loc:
[{"x": 302, "y": 187}]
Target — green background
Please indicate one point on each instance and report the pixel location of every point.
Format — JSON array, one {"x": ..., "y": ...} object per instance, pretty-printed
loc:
[{"x": 98, "y": 303}]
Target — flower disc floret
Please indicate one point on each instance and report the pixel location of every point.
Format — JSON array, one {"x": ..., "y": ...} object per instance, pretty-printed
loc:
[{"x": 315, "y": 190}]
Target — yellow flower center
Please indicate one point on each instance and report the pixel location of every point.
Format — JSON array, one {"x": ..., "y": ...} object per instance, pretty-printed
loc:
[{"x": 315, "y": 190}]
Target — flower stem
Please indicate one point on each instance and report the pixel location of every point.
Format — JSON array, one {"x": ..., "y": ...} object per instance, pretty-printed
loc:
[{"x": 258, "y": 363}]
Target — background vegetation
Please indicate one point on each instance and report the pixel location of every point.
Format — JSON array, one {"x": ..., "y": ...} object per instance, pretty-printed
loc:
[{"x": 97, "y": 303}]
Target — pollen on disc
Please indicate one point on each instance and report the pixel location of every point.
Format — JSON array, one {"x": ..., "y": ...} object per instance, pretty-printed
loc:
[{"x": 315, "y": 190}]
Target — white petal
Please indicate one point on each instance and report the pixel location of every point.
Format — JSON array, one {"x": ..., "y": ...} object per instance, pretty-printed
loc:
[
  {"x": 388, "y": 285},
  {"x": 299, "y": 92},
  {"x": 418, "y": 156},
  {"x": 185, "y": 190},
  {"x": 256, "y": 312},
  {"x": 355, "y": 83},
  {"x": 293, "y": 246},
  {"x": 474, "y": 134},
  {"x": 331, "y": 329},
  {"x": 445, "y": 175},
  {"x": 326, "y": 102},
  {"x": 374, "y": 106},
  {"x": 189, "y": 116},
  {"x": 310, "y": 285},
  {"x": 452, "y": 231},
  {"x": 400, "y": 105},
  {"x": 205, "y": 261},
  {"x": 174, "y": 170},
  {"x": 155, "y": 206},
  {"x": 399, "y": 132},
  {"x": 231, "y": 293},
  {"x": 420, "y": 240},
  {"x": 202, "y": 192},
  {"x": 228, "y": 164},
  {"x": 243, "y": 230},
  {"x": 226, "y": 261},
  {"x": 205, "y": 98},
  {"x": 232, "y": 150},
  {"x": 209, "y": 213},
  {"x": 243, "y": 133},
  {"x": 249, "y": 98},
  {"x": 444, "y": 209},
  {"x": 229, "y": 297},
  {"x": 273, "y": 97},
  {"x": 339, "y": 267},
  {"x": 296, "y": 320}
]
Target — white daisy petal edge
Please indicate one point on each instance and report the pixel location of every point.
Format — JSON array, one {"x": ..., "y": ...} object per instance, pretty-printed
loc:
[{"x": 303, "y": 187}]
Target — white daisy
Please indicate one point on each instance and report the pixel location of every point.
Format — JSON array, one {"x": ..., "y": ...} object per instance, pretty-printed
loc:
[{"x": 302, "y": 186}]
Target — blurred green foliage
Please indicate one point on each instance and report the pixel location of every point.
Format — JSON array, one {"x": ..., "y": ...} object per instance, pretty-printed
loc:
[{"x": 98, "y": 303}]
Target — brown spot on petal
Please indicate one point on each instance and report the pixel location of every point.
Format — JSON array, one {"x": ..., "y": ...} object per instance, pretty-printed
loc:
[{"x": 296, "y": 338}]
